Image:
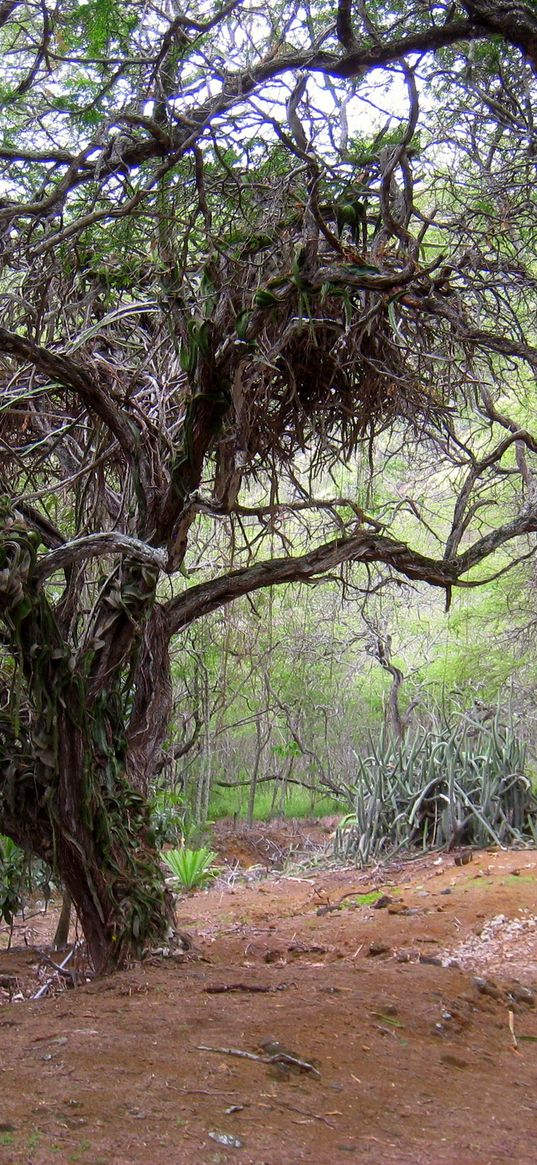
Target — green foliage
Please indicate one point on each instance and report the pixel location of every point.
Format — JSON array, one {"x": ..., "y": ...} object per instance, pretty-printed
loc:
[
  {"x": 457, "y": 780},
  {"x": 12, "y": 869},
  {"x": 269, "y": 803},
  {"x": 191, "y": 867},
  {"x": 168, "y": 816}
]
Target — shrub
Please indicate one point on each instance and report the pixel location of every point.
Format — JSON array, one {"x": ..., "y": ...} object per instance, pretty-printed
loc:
[
  {"x": 168, "y": 811},
  {"x": 12, "y": 870}
]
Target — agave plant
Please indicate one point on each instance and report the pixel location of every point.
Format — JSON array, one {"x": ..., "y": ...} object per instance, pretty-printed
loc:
[
  {"x": 458, "y": 780},
  {"x": 191, "y": 867}
]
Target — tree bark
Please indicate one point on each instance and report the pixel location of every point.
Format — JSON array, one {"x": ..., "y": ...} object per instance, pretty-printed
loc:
[
  {"x": 64, "y": 792},
  {"x": 84, "y": 818},
  {"x": 61, "y": 936}
]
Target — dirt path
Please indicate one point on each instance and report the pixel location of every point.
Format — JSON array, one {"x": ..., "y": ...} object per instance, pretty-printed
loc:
[{"x": 402, "y": 1011}]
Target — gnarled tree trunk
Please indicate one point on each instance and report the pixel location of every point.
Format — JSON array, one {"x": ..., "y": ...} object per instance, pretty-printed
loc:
[{"x": 64, "y": 792}]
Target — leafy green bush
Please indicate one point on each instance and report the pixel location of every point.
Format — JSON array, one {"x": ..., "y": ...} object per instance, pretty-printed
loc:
[
  {"x": 459, "y": 781},
  {"x": 191, "y": 867},
  {"x": 168, "y": 813},
  {"x": 12, "y": 870}
]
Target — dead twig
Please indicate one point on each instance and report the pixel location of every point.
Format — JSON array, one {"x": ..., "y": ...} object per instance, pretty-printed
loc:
[
  {"x": 512, "y": 1030},
  {"x": 316, "y": 1116},
  {"x": 201, "y": 1091},
  {"x": 280, "y": 1057},
  {"x": 329, "y": 908},
  {"x": 60, "y": 969},
  {"x": 259, "y": 988}
]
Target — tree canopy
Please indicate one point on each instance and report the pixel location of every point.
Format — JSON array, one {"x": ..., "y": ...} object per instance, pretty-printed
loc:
[{"x": 241, "y": 247}]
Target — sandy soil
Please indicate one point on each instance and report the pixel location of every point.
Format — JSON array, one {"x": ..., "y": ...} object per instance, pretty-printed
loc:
[{"x": 413, "y": 1018}]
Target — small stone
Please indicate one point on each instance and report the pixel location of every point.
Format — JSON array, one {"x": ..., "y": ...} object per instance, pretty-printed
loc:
[
  {"x": 382, "y": 902},
  {"x": 486, "y": 987},
  {"x": 408, "y": 956},
  {"x": 464, "y": 858},
  {"x": 431, "y": 960},
  {"x": 226, "y": 1139},
  {"x": 522, "y": 994},
  {"x": 376, "y": 949},
  {"x": 446, "y": 891},
  {"x": 274, "y": 957}
]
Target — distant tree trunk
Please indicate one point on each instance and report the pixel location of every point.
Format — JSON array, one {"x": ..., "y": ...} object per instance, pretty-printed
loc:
[
  {"x": 61, "y": 937},
  {"x": 255, "y": 772},
  {"x": 399, "y": 721}
]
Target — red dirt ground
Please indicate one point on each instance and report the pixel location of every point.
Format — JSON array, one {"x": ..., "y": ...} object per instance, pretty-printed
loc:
[{"x": 413, "y": 1047}]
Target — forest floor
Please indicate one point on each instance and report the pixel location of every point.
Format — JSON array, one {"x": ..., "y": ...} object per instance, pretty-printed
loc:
[{"x": 412, "y": 1015}]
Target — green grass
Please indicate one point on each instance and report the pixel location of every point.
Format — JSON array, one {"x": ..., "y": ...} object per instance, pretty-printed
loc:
[
  {"x": 268, "y": 803},
  {"x": 367, "y": 899}
]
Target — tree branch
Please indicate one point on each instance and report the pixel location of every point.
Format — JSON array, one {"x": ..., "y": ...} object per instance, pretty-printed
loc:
[
  {"x": 515, "y": 21},
  {"x": 97, "y": 546},
  {"x": 74, "y": 376},
  {"x": 362, "y": 547},
  {"x": 345, "y": 33},
  {"x": 236, "y": 88}
]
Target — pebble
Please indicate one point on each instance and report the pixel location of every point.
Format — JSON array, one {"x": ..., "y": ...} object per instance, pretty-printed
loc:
[
  {"x": 226, "y": 1139},
  {"x": 486, "y": 987},
  {"x": 522, "y": 994},
  {"x": 377, "y": 948}
]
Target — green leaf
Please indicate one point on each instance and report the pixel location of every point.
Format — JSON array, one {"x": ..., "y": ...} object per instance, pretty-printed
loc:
[
  {"x": 241, "y": 324},
  {"x": 187, "y": 358},
  {"x": 264, "y": 298}
]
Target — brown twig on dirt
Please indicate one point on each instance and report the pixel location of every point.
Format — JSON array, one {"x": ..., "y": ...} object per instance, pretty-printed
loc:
[
  {"x": 336, "y": 905},
  {"x": 280, "y": 1057},
  {"x": 201, "y": 1091},
  {"x": 223, "y": 988},
  {"x": 512, "y": 1030},
  {"x": 316, "y": 1116}
]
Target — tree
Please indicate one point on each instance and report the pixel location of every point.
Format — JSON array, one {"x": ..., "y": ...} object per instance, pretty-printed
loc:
[{"x": 216, "y": 284}]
